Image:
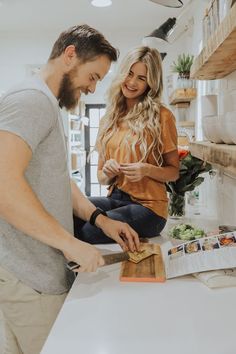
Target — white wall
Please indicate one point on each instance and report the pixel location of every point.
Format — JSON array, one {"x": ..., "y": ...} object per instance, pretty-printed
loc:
[
  {"x": 19, "y": 49},
  {"x": 219, "y": 192}
]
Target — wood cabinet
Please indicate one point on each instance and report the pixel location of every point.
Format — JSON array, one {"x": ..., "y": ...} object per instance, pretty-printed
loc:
[
  {"x": 221, "y": 155},
  {"x": 218, "y": 57},
  {"x": 183, "y": 95}
]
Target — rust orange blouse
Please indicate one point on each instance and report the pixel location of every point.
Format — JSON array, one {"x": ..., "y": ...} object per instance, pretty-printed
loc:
[{"x": 148, "y": 192}]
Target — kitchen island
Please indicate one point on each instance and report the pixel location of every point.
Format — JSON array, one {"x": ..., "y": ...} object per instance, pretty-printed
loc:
[{"x": 102, "y": 315}]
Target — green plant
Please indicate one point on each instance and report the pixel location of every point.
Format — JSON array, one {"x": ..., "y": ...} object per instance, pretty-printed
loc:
[
  {"x": 183, "y": 64},
  {"x": 186, "y": 232},
  {"x": 190, "y": 169}
]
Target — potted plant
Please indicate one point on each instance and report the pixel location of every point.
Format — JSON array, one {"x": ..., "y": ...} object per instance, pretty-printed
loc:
[
  {"x": 190, "y": 169},
  {"x": 182, "y": 66}
]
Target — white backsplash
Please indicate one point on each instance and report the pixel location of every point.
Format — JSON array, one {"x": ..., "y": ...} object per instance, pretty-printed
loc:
[
  {"x": 217, "y": 199},
  {"x": 218, "y": 195},
  {"x": 221, "y": 191},
  {"x": 227, "y": 185},
  {"x": 226, "y": 204},
  {"x": 230, "y": 81}
]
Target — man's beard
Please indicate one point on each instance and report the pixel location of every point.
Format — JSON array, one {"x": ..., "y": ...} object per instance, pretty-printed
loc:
[{"x": 68, "y": 96}]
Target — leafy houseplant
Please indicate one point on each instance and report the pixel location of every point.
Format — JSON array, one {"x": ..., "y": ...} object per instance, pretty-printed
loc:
[
  {"x": 190, "y": 169},
  {"x": 183, "y": 65}
]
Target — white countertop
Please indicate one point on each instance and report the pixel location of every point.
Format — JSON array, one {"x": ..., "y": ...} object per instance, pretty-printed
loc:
[{"x": 102, "y": 315}]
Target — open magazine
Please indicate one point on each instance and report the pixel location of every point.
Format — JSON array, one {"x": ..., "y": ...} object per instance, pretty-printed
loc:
[{"x": 200, "y": 255}]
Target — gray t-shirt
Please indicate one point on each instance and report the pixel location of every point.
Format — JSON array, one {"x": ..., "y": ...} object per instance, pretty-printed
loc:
[{"x": 31, "y": 111}]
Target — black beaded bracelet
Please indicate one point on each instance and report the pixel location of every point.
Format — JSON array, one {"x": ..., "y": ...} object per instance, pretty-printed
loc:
[{"x": 95, "y": 214}]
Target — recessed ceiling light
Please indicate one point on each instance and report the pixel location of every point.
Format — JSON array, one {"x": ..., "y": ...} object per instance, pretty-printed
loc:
[{"x": 101, "y": 3}]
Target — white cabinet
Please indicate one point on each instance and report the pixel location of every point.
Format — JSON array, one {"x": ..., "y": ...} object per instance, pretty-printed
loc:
[{"x": 76, "y": 151}]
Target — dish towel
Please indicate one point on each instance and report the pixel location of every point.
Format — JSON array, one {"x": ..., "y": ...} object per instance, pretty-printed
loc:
[{"x": 218, "y": 278}]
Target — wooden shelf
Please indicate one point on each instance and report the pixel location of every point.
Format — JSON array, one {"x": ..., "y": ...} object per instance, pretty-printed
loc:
[
  {"x": 186, "y": 124},
  {"x": 218, "y": 58},
  {"x": 183, "y": 95},
  {"x": 221, "y": 155}
]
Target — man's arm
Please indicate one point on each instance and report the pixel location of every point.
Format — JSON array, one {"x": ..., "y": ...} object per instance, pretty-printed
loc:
[
  {"x": 20, "y": 207},
  {"x": 82, "y": 207}
]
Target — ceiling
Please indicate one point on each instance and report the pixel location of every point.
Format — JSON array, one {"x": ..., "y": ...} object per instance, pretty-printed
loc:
[
  {"x": 46, "y": 15},
  {"x": 125, "y": 22}
]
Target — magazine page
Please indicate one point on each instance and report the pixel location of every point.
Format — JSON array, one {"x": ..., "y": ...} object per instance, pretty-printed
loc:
[{"x": 204, "y": 254}]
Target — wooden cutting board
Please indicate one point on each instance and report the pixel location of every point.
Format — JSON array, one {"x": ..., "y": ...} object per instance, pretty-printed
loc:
[{"x": 150, "y": 269}]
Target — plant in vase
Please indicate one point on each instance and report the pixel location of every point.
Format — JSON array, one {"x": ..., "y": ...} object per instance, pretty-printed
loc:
[
  {"x": 182, "y": 66},
  {"x": 190, "y": 169}
]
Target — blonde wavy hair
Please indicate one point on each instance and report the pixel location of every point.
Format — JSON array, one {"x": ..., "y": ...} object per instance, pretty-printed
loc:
[{"x": 143, "y": 119}]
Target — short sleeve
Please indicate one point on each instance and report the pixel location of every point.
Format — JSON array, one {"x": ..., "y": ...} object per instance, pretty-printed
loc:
[
  {"x": 168, "y": 132},
  {"x": 29, "y": 114}
]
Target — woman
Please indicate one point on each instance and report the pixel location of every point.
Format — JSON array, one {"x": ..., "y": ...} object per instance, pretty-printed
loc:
[{"x": 137, "y": 146}]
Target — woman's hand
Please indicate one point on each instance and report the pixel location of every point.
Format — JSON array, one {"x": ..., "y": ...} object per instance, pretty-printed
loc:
[
  {"x": 135, "y": 171},
  {"x": 111, "y": 168}
]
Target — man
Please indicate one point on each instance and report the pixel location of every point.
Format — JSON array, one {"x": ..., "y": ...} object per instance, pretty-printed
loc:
[{"x": 36, "y": 194}]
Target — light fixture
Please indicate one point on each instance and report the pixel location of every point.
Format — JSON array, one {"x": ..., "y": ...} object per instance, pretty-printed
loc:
[
  {"x": 162, "y": 32},
  {"x": 163, "y": 55},
  {"x": 172, "y": 28},
  {"x": 101, "y": 3},
  {"x": 169, "y": 3}
]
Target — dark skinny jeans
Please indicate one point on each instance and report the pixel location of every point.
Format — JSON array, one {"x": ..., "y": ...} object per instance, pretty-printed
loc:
[{"x": 119, "y": 206}]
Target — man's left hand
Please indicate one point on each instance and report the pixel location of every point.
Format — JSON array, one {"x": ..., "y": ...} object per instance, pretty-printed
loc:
[{"x": 120, "y": 232}]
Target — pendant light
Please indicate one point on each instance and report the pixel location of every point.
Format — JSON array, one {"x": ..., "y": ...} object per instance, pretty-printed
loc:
[
  {"x": 162, "y": 32},
  {"x": 169, "y": 3}
]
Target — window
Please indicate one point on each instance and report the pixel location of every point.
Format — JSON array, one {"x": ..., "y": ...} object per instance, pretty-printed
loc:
[{"x": 92, "y": 187}]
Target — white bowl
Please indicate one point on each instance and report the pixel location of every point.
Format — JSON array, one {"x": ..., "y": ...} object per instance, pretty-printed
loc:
[
  {"x": 209, "y": 105},
  {"x": 223, "y": 131},
  {"x": 230, "y": 125},
  {"x": 205, "y": 128},
  {"x": 211, "y": 129},
  {"x": 227, "y": 102}
]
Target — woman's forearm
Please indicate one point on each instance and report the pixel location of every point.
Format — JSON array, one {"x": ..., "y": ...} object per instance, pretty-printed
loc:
[
  {"x": 162, "y": 174},
  {"x": 104, "y": 179}
]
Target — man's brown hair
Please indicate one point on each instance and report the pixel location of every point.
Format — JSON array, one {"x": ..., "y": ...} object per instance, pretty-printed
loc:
[{"x": 88, "y": 42}]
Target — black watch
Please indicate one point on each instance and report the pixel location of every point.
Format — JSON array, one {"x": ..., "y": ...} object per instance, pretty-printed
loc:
[{"x": 95, "y": 214}]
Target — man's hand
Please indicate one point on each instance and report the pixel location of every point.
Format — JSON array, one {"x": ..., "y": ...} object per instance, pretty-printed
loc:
[
  {"x": 111, "y": 168},
  {"x": 135, "y": 171},
  {"x": 84, "y": 254},
  {"x": 120, "y": 232}
]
